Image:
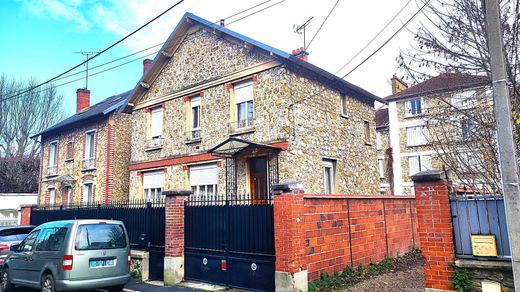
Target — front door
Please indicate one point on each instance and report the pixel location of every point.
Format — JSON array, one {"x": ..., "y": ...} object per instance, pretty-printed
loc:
[{"x": 258, "y": 179}]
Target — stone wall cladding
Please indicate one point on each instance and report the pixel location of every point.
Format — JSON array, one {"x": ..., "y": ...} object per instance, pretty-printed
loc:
[
  {"x": 283, "y": 112},
  {"x": 122, "y": 126}
]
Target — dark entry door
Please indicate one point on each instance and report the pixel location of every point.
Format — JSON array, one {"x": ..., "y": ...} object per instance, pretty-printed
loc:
[
  {"x": 258, "y": 179},
  {"x": 230, "y": 243}
]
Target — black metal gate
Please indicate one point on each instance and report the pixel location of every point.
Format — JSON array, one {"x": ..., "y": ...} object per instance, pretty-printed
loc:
[
  {"x": 231, "y": 243},
  {"x": 144, "y": 222}
]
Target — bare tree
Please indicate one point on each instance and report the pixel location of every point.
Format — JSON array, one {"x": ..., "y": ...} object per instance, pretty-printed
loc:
[{"x": 25, "y": 115}]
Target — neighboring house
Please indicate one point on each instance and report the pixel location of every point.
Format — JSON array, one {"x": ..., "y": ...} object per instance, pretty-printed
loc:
[
  {"x": 222, "y": 114},
  {"x": 85, "y": 157},
  {"x": 384, "y": 152},
  {"x": 11, "y": 203},
  {"x": 413, "y": 116}
]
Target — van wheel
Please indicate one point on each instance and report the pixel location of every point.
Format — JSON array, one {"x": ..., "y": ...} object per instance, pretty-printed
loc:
[
  {"x": 48, "y": 283},
  {"x": 5, "y": 283},
  {"x": 116, "y": 288}
]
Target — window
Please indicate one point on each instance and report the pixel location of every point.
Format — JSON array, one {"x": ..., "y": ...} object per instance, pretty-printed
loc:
[
  {"x": 100, "y": 236},
  {"x": 89, "y": 154},
  {"x": 204, "y": 180},
  {"x": 381, "y": 167},
  {"x": 52, "y": 196},
  {"x": 51, "y": 239},
  {"x": 156, "y": 127},
  {"x": 328, "y": 176},
  {"x": 413, "y": 107},
  {"x": 366, "y": 128},
  {"x": 53, "y": 158},
  {"x": 467, "y": 128},
  {"x": 88, "y": 193},
  {"x": 344, "y": 109},
  {"x": 195, "y": 117},
  {"x": 419, "y": 163},
  {"x": 416, "y": 136},
  {"x": 67, "y": 199},
  {"x": 70, "y": 151},
  {"x": 379, "y": 143},
  {"x": 153, "y": 183},
  {"x": 464, "y": 100},
  {"x": 28, "y": 243},
  {"x": 244, "y": 104}
]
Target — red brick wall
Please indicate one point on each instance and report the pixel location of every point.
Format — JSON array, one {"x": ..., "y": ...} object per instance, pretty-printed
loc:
[
  {"x": 25, "y": 216},
  {"x": 343, "y": 230},
  {"x": 174, "y": 233},
  {"x": 435, "y": 233}
]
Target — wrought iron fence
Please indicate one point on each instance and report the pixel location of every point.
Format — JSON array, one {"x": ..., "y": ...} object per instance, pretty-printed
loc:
[{"x": 479, "y": 215}]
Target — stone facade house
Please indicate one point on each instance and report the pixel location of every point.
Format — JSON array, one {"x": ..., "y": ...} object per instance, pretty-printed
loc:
[
  {"x": 222, "y": 114},
  {"x": 384, "y": 152},
  {"x": 435, "y": 117},
  {"x": 81, "y": 161}
]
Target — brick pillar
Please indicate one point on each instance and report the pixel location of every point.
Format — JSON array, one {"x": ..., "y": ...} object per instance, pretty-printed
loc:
[
  {"x": 174, "y": 236},
  {"x": 435, "y": 228},
  {"x": 25, "y": 214},
  {"x": 289, "y": 238}
]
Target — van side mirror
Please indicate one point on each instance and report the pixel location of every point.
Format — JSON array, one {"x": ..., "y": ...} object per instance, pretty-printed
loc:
[{"x": 14, "y": 247}]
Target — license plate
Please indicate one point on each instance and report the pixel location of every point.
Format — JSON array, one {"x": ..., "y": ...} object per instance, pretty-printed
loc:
[{"x": 101, "y": 263}]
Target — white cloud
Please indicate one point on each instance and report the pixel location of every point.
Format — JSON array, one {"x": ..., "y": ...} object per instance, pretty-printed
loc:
[{"x": 68, "y": 10}]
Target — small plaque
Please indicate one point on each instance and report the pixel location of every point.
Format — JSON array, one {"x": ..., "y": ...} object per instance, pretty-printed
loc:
[{"x": 484, "y": 245}]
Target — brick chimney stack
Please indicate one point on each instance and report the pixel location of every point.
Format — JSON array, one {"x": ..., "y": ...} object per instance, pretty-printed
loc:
[
  {"x": 398, "y": 85},
  {"x": 82, "y": 99},
  {"x": 146, "y": 64},
  {"x": 301, "y": 53}
]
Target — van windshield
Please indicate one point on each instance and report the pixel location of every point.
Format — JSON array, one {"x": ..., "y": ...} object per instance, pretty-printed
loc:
[{"x": 100, "y": 236}]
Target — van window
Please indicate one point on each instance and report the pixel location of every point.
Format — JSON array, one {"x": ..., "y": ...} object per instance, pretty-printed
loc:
[
  {"x": 28, "y": 243},
  {"x": 100, "y": 236},
  {"x": 51, "y": 239}
]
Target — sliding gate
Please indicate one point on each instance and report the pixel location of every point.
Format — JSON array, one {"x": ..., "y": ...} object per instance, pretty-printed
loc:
[{"x": 230, "y": 243}]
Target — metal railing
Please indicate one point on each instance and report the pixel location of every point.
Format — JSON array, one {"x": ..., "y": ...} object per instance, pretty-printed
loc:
[
  {"x": 157, "y": 142},
  {"x": 52, "y": 170},
  {"x": 479, "y": 215},
  {"x": 242, "y": 125},
  {"x": 193, "y": 135},
  {"x": 88, "y": 163}
]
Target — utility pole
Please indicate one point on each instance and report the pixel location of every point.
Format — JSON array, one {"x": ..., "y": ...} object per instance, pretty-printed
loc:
[
  {"x": 87, "y": 55},
  {"x": 505, "y": 140}
]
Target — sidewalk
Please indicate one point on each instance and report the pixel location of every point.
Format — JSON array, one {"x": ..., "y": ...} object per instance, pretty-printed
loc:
[{"x": 132, "y": 286}]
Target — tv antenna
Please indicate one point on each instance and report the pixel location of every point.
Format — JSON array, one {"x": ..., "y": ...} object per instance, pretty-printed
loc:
[
  {"x": 300, "y": 29},
  {"x": 87, "y": 55}
]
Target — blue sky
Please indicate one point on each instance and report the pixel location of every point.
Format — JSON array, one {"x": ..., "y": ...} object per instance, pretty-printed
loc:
[{"x": 38, "y": 37}]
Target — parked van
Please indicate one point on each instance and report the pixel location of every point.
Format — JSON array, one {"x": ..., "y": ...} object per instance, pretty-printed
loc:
[{"x": 70, "y": 255}]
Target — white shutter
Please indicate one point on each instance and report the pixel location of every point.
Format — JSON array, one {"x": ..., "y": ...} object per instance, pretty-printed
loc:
[
  {"x": 195, "y": 101},
  {"x": 378, "y": 141},
  {"x": 413, "y": 163},
  {"x": 206, "y": 174},
  {"x": 153, "y": 179},
  {"x": 157, "y": 122},
  {"x": 243, "y": 92},
  {"x": 416, "y": 136},
  {"x": 381, "y": 166},
  {"x": 426, "y": 162},
  {"x": 52, "y": 154}
]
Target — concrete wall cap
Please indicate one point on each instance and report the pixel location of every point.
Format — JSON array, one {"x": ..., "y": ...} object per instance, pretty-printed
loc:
[
  {"x": 429, "y": 175},
  {"x": 177, "y": 193},
  {"x": 288, "y": 186},
  {"x": 488, "y": 264}
]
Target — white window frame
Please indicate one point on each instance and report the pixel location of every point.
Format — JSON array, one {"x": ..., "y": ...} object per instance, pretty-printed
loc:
[
  {"x": 156, "y": 122},
  {"x": 247, "y": 101},
  {"x": 90, "y": 145},
  {"x": 199, "y": 186},
  {"x": 417, "y": 136},
  {"x": 379, "y": 141},
  {"x": 367, "y": 132},
  {"x": 424, "y": 163},
  {"x": 343, "y": 105},
  {"x": 467, "y": 128},
  {"x": 329, "y": 176},
  {"x": 154, "y": 190},
  {"x": 195, "y": 103},
  {"x": 408, "y": 107},
  {"x": 53, "y": 157},
  {"x": 52, "y": 196},
  {"x": 464, "y": 100},
  {"x": 88, "y": 197},
  {"x": 381, "y": 167}
]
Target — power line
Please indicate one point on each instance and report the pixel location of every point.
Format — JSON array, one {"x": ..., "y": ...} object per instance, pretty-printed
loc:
[
  {"x": 322, "y": 24},
  {"x": 370, "y": 42},
  {"x": 245, "y": 10},
  {"x": 99, "y": 53},
  {"x": 253, "y": 13},
  {"x": 388, "y": 40}
]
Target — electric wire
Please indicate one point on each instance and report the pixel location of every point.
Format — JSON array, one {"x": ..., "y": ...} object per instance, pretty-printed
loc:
[
  {"x": 322, "y": 24},
  {"x": 253, "y": 13}
]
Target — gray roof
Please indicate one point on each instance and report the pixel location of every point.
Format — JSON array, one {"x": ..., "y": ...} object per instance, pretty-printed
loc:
[
  {"x": 92, "y": 113},
  {"x": 293, "y": 61}
]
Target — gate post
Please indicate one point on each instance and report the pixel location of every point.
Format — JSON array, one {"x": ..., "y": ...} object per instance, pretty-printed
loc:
[
  {"x": 289, "y": 238},
  {"x": 174, "y": 236},
  {"x": 435, "y": 228},
  {"x": 25, "y": 214}
]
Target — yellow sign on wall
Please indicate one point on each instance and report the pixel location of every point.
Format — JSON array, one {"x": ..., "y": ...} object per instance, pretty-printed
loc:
[{"x": 484, "y": 245}]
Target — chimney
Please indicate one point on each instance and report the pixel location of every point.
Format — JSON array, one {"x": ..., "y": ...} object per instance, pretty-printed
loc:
[
  {"x": 146, "y": 64},
  {"x": 301, "y": 53},
  {"x": 222, "y": 23},
  {"x": 398, "y": 85},
  {"x": 82, "y": 99}
]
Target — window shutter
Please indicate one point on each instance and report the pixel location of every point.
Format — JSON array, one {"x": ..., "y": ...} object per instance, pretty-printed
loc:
[
  {"x": 153, "y": 179},
  {"x": 243, "y": 92},
  {"x": 381, "y": 166},
  {"x": 157, "y": 122},
  {"x": 426, "y": 162},
  {"x": 413, "y": 163},
  {"x": 206, "y": 174}
]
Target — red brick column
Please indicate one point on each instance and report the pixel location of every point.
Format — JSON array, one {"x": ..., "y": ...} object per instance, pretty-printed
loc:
[
  {"x": 435, "y": 228},
  {"x": 25, "y": 215},
  {"x": 174, "y": 236},
  {"x": 289, "y": 238}
]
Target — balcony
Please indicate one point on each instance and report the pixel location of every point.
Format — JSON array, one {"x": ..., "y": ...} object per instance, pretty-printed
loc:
[
  {"x": 155, "y": 143},
  {"x": 88, "y": 163},
  {"x": 52, "y": 170},
  {"x": 242, "y": 127},
  {"x": 193, "y": 136}
]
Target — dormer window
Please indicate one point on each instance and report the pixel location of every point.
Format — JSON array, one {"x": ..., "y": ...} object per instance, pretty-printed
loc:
[{"x": 244, "y": 101}]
